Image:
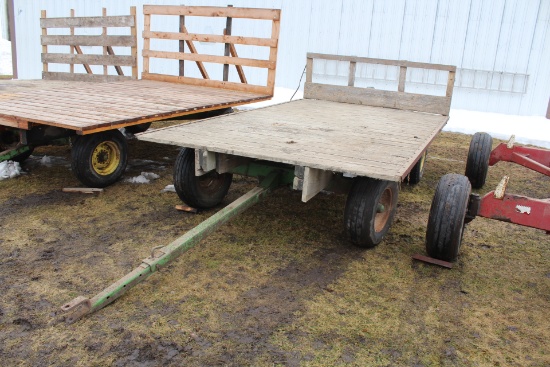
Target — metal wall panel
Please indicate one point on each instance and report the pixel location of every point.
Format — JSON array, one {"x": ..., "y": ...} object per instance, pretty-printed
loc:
[{"x": 501, "y": 47}]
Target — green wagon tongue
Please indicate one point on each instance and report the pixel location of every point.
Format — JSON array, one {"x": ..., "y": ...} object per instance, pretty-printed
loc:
[{"x": 161, "y": 256}]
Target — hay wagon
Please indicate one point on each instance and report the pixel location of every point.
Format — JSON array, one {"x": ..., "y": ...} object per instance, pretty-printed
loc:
[
  {"x": 342, "y": 138},
  {"x": 89, "y": 108}
]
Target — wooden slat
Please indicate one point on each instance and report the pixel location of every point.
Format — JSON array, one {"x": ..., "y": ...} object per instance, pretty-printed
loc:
[
  {"x": 86, "y": 66},
  {"x": 118, "y": 69},
  {"x": 212, "y": 11},
  {"x": 193, "y": 50},
  {"x": 309, "y": 70},
  {"x": 275, "y": 29},
  {"x": 351, "y": 76},
  {"x": 368, "y": 60},
  {"x": 71, "y": 67},
  {"x": 239, "y": 40},
  {"x": 8, "y": 121},
  {"x": 44, "y": 47},
  {"x": 208, "y": 83},
  {"x": 146, "y": 42},
  {"x": 88, "y": 22},
  {"x": 89, "y": 59},
  {"x": 450, "y": 84},
  {"x": 378, "y": 98},
  {"x": 104, "y": 33},
  {"x": 62, "y": 40},
  {"x": 402, "y": 78},
  {"x": 82, "y": 77},
  {"x": 210, "y": 58},
  {"x": 133, "y": 49},
  {"x": 233, "y": 53}
]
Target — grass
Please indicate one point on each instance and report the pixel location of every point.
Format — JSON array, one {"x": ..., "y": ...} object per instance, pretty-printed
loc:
[{"x": 277, "y": 286}]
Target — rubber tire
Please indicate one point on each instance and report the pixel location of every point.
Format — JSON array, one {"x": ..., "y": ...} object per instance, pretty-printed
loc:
[
  {"x": 415, "y": 176},
  {"x": 188, "y": 185},
  {"x": 447, "y": 213},
  {"x": 477, "y": 164},
  {"x": 81, "y": 158},
  {"x": 361, "y": 210},
  {"x": 136, "y": 129}
]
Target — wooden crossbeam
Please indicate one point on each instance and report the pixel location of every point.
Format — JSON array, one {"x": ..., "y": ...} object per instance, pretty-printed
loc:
[{"x": 118, "y": 69}]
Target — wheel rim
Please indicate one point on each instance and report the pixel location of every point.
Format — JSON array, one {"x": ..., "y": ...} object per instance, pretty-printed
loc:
[
  {"x": 106, "y": 158},
  {"x": 383, "y": 210},
  {"x": 210, "y": 183}
]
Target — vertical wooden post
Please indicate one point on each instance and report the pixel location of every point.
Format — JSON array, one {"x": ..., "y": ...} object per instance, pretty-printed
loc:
[
  {"x": 275, "y": 28},
  {"x": 133, "y": 50},
  {"x": 227, "y": 31},
  {"x": 146, "y": 42},
  {"x": 450, "y": 84},
  {"x": 309, "y": 70},
  {"x": 182, "y": 46},
  {"x": 402, "y": 78},
  {"x": 548, "y": 110},
  {"x": 72, "y": 46},
  {"x": 44, "y": 47},
  {"x": 104, "y": 33},
  {"x": 351, "y": 77}
]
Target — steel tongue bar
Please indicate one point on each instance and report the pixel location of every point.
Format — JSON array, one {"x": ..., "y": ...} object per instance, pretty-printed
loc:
[{"x": 82, "y": 306}]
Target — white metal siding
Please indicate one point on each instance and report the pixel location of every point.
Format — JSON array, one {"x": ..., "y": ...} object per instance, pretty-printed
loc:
[{"x": 501, "y": 47}]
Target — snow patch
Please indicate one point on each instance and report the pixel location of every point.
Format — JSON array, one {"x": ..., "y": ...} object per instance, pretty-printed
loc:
[
  {"x": 5, "y": 57},
  {"x": 144, "y": 178},
  {"x": 9, "y": 169},
  {"x": 169, "y": 188},
  {"x": 46, "y": 161}
]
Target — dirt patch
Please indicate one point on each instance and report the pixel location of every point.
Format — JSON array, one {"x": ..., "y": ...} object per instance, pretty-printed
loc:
[{"x": 278, "y": 285}]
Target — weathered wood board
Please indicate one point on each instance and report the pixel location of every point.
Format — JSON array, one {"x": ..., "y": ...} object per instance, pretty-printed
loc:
[
  {"x": 377, "y": 142},
  {"x": 90, "y": 107}
]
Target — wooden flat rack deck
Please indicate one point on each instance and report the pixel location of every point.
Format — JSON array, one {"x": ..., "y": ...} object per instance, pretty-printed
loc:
[
  {"x": 88, "y": 102},
  {"x": 362, "y": 136},
  {"x": 88, "y": 107},
  {"x": 339, "y": 137}
]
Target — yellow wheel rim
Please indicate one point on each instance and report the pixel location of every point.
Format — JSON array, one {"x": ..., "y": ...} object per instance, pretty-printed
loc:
[{"x": 106, "y": 158}]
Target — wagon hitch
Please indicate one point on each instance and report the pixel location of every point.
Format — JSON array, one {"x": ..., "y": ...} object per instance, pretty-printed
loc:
[{"x": 162, "y": 256}]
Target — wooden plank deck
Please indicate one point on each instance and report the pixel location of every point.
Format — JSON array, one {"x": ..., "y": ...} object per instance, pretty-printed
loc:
[
  {"x": 377, "y": 142},
  {"x": 91, "y": 107}
]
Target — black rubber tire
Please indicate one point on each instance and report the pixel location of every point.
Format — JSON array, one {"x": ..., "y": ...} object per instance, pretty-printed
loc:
[
  {"x": 201, "y": 192},
  {"x": 477, "y": 164},
  {"x": 447, "y": 213},
  {"x": 364, "y": 224},
  {"x": 136, "y": 129},
  {"x": 417, "y": 172},
  {"x": 82, "y": 153}
]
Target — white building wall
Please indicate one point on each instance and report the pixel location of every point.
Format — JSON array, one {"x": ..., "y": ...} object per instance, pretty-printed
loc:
[{"x": 501, "y": 47}]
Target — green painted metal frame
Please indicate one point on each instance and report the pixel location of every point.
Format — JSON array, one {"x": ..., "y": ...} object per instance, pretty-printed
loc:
[
  {"x": 11, "y": 153},
  {"x": 274, "y": 177}
]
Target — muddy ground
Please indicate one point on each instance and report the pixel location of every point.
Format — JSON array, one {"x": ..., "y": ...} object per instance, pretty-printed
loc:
[{"x": 277, "y": 286}]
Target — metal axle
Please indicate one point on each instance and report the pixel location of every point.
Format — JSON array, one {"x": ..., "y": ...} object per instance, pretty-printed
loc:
[{"x": 82, "y": 306}]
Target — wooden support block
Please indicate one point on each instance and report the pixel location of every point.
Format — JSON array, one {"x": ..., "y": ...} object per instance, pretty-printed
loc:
[
  {"x": 83, "y": 190},
  {"x": 205, "y": 162},
  {"x": 315, "y": 180},
  {"x": 431, "y": 260},
  {"x": 226, "y": 162},
  {"x": 186, "y": 208},
  {"x": 298, "y": 183}
]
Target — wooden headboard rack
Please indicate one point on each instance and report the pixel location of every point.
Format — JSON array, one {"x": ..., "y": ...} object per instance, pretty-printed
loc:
[
  {"x": 230, "y": 56},
  {"x": 380, "y": 98},
  {"x": 76, "y": 56}
]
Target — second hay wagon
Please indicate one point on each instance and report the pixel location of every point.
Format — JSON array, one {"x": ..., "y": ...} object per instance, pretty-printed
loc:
[{"x": 340, "y": 138}]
